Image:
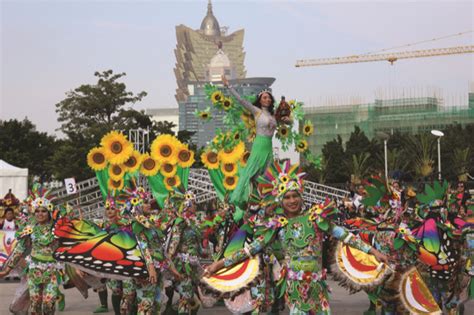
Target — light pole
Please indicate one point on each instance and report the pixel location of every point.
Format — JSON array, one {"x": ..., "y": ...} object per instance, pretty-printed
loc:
[
  {"x": 382, "y": 135},
  {"x": 438, "y": 134}
]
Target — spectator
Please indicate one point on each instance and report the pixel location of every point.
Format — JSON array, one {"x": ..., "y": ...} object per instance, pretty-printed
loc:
[{"x": 7, "y": 223}]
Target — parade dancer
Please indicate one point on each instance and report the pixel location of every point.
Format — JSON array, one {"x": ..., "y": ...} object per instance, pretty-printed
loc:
[
  {"x": 37, "y": 238},
  {"x": 184, "y": 251},
  {"x": 300, "y": 233},
  {"x": 261, "y": 154}
]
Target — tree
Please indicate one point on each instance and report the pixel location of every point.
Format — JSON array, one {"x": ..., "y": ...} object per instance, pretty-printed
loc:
[
  {"x": 94, "y": 109},
  {"x": 333, "y": 153},
  {"x": 23, "y": 146},
  {"x": 89, "y": 112}
]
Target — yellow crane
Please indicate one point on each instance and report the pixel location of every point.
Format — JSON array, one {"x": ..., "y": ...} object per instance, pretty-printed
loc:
[{"x": 392, "y": 56}]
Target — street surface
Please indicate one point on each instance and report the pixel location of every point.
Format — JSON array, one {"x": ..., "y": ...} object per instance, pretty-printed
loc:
[{"x": 341, "y": 302}]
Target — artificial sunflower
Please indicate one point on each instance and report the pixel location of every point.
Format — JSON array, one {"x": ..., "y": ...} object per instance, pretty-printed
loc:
[
  {"x": 204, "y": 115},
  {"x": 301, "y": 146},
  {"x": 115, "y": 185},
  {"x": 149, "y": 165},
  {"x": 244, "y": 158},
  {"x": 308, "y": 128},
  {"x": 185, "y": 157},
  {"x": 283, "y": 221},
  {"x": 283, "y": 131},
  {"x": 232, "y": 155},
  {"x": 96, "y": 159},
  {"x": 227, "y": 103},
  {"x": 217, "y": 97},
  {"x": 210, "y": 159},
  {"x": 230, "y": 182},
  {"x": 281, "y": 188},
  {"x": 284, "y": 179},
  {"x": 229, "y": 169},
  {"x": 168, "y": 170},
  {"x": 135, "y": 201},
  {"x": 116, "y": 147},
  {"x": 133, "y": 162},
  {"x": 237, "y": 136},
  {"x": 172, "y": 182},
  {"x": 164, "y": 149},
  {"x": 116, "y": 172}
]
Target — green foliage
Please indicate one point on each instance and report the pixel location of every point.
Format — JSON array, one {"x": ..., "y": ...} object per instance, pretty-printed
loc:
[{"x": 23, "y": 146}]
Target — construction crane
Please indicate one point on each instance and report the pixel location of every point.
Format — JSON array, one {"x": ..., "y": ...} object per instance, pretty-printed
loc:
[{"x": 390, "y": 57}]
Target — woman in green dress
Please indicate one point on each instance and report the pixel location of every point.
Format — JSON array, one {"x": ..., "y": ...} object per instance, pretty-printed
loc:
[{"x": 261, "y": 154}]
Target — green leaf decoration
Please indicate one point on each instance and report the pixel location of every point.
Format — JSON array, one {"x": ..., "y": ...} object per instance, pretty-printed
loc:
[
  {"x": 398, "y": 243},
  {"x": 323, "y": 225}
]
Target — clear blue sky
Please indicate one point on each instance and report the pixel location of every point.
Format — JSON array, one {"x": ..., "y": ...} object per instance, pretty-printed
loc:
[{"x": 50, "y": 47}]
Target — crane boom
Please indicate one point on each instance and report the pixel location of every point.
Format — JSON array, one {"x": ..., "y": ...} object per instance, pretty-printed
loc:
[{"x": 390, "y": 57}]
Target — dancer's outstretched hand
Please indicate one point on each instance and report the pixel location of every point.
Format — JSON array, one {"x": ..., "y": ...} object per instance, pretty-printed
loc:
[
  {"x": 379, "y": 256},
  {"x": 224, "y": 80},
  {"x": 5, "y": 272},
  {"x": 213, "y": 268}
]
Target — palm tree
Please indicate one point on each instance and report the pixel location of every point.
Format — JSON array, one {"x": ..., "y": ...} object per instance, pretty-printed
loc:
[
  {"x": 421, "y": 148},
  {"x": 359, "y": 166},
  {"x": 461, "y": 163}
]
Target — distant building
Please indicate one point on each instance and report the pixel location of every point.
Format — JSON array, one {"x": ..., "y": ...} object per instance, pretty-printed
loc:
[
  {"x": 407, "y": 114},
  {"x": 195, "y": 48},
  {"x": 165, "y": 114}
]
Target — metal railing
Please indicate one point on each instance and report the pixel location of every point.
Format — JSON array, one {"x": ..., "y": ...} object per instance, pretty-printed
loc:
[{"x": 89, "y": 204}]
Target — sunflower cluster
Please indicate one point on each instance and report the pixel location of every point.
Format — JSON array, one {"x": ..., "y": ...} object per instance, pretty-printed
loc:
[
  {"x": 220, "y": 101},
  {"x": 227, "y": 161},
  {"x": 116, "y": 154},
  {"x": 166, "y": 155}
]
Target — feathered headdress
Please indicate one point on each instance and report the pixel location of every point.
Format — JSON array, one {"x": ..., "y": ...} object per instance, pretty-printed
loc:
[
  {"x": 40, "y": 197},
  {"x": 279, "y": 178}
]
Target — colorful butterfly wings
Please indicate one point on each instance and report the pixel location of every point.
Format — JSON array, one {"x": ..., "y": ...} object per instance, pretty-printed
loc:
[{"x": 94, "y": 250}]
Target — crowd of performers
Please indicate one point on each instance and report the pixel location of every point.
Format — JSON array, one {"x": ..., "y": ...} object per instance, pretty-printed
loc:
[{"x": 265, "y": 247}]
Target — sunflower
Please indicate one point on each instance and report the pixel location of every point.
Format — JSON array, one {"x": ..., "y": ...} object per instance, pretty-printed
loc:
[
  {"x": 281, "y": 188},
  {"x": 283, "y": 131},
  {"x": 96, "y": 159},
  {"x": 204, "y": 115},
  {"x": 227, "y": 103},
  {"x": 301, "y": 146},
  {"x": 149, "y": 165},
  {"x": 135, "y": 201},
  {"x": 133, "y": 162},
  {"x": 172, "y": 182},
  {"x": 217, "y": 97},
  {"x": 230, "y": 182},
  {"x": 115, "y": 185},
  {"x": 232, "y": 155},
  {"x": 116, "y": 172},
  {"x": 283, "y": 221},
  {"x": 229, "y": 169},
  {"x": 168, "y": 170},
  {"x": 185, "y": 157},
  {"x": 308, "y": 128},
  {"x": 164, "y": 149},
  {"x": 116, "y": 147},
  {"x": 210, "y": 159},
  {"x": 284, "y": 179},
  {"x": 244, "y": 158}
]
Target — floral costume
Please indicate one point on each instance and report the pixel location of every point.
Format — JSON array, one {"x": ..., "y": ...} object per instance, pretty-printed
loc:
[
  {"x": 304, "y": 278},
  {"x": 43, "y": 271},
  {"x": 184, "y": 250}
]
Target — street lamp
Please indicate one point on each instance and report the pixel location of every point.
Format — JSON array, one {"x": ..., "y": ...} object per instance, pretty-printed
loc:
[
  {"x": 383, "y": 136},
  {"x": 438, "y": 134}
]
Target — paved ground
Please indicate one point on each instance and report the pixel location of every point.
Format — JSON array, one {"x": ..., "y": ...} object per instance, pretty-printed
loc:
[{"x": 341, "y": 302}]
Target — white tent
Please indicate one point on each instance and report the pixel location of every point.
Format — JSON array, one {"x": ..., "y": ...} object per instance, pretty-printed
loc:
[{"x": 14, "y": 178}]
